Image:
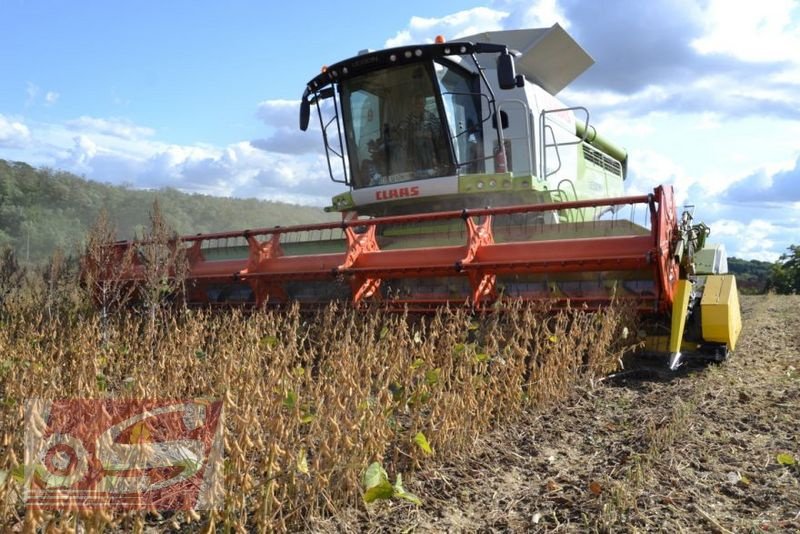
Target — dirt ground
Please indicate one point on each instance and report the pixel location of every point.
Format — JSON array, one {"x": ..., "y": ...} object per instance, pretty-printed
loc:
[{"x": 692, "y": 452}]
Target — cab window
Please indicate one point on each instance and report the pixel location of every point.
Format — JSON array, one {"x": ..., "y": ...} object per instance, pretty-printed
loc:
[
  {"x": 462, "y": 103},
  {"x": 396, "y": 131}
]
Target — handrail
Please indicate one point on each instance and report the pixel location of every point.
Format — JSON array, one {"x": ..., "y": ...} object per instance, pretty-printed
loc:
[
  {"x": 328, "y": 147},
  {"x": 544, "y": 145}
]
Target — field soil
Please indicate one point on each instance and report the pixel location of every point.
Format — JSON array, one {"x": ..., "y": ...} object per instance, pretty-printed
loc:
[{"x": 706, "y": 449}]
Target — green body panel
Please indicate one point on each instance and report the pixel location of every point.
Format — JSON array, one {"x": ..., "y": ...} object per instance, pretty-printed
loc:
[
  {"x": 707, "y": 260},
  {"x": 341, "y": 202},
  {"x": 483, "y": 183},
  {"x": 297, "y": 248},
  {"x": 601, "y": 143},
  {"x": 505, "y": 229},
  {"x": 597, "y": 180},
  {"x": 307, "y": 248},
  {"x": 597, "y": 176},
  {"x": 226, "y": 253}
]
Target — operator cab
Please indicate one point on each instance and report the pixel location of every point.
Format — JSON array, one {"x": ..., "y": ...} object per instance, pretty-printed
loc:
[
  {"x": 451, "y": 125},
  {"x": 406, "y": 114}
]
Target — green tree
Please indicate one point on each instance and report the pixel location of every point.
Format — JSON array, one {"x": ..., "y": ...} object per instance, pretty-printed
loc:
[
  {"x": 752, "y": 276},
  {"x": 785, "y": 276}
]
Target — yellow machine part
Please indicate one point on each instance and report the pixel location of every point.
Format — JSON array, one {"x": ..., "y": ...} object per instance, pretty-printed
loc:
[
  {"x": 720, "y": 315},
  {"x": 661, "y": 344},
  {"x": 680, "y": 309}
]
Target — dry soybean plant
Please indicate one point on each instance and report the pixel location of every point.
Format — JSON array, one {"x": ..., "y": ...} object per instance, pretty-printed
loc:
[{"x": 310, "y": 400}]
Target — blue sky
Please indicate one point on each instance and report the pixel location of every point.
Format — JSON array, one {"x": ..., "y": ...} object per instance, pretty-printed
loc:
[
  {"x": 203, "y": 95},
  {"x": 193, "y": 71}
]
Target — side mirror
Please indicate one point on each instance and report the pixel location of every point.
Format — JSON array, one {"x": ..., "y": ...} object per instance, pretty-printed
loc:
[
  {"x": 305, "y": 111},
  {"x": 506, "y": 73}
]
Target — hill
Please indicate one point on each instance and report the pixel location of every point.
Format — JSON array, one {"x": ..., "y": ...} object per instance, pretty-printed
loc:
[{"x": 41, "y": 209}]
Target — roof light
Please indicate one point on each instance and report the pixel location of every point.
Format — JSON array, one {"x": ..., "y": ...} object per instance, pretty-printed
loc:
[
  {"x": 418, "y": 52},
  {"x": 324, "y": 69},
  {"x": 407, "y": 53},
  {"x": 393, "y": 58},
  {"x": 439, "y": 39}
]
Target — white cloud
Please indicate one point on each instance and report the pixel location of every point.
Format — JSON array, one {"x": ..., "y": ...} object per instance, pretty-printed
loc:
[
  {"x": 13, "y": 134},
  {"x": 650, "y": 168},
  {"x": 85, "y": 148},
  {"x": 278, "y": 112},
  {"x": 543, "y": 14},
  {"x": 110, "y": 150},
  {"x": 283, "y": 118},
  {"x": 33, "y": 92},
  {"x": 724, "y": 95},
  {"x": 709, "y": 121},
  {"x": 763, "y": 31},
  {"x": 115, "y": 127},
  {"x": 750, "y": 240},
  {"x": 467, "y": 22},
  {"x": 768, "y": 187}
]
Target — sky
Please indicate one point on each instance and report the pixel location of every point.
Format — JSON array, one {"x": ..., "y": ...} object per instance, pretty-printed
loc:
[{"x": 203, "y": 96}]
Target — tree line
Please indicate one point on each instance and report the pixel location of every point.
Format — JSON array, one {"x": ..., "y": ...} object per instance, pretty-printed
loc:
[
  {"x": 42, "y": 210},
  {"x": 757, "y": 277}
]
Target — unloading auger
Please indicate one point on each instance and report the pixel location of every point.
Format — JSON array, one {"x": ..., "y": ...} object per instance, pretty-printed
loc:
[{"x": 469, "y": 182}]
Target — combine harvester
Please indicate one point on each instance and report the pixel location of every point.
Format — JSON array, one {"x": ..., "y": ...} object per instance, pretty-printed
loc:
[{"x": 469, "y": 182}]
